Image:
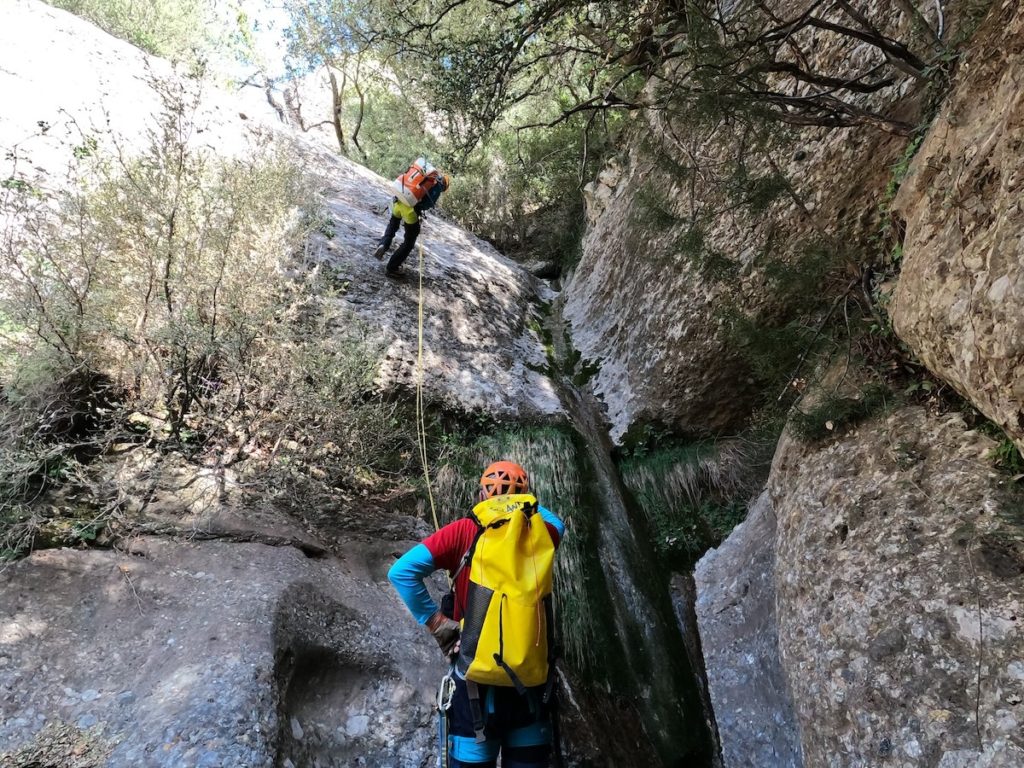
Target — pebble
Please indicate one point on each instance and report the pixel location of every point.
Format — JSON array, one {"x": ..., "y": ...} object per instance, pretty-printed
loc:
[
  {"x": 87, "y": 721},
  {"x": 90, "y": 695},
  {"x": 357, "y": 725},
  {"x": 296, "y": 729}
]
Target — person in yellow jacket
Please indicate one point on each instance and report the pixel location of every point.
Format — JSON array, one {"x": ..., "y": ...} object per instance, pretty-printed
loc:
[{"x": 408, "y": 215}]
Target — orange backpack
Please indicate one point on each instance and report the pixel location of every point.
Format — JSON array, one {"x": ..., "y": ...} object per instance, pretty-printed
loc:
[{"x": 413, "y": 185}]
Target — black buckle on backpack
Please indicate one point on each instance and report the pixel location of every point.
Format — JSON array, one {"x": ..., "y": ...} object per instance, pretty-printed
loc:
[{"x": 448, "y": 604}]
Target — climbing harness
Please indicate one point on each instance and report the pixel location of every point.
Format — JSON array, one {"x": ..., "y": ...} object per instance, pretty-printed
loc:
[{"x": 445, "y": 693}]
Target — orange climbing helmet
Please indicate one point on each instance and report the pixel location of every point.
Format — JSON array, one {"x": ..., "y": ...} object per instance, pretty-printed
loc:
[{"x": 503, "y": 477}]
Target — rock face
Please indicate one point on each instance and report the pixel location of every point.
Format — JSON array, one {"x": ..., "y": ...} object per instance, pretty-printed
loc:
[
  {"x": 961, "y": 290},
  {"x": 736, "y": 616},
  {"x": 643, "y": 310},
  {"x": 653, "y": 365},
  {"x": 219, "y": 654},
  {"x": 900, "y": 587},
  {"x": 242, "y": 654},
  {"x": 479, "y": 351}
]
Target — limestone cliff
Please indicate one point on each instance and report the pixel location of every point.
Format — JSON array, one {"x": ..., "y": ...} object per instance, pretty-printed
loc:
[
  {"x": 885, "y": 609},
  {"x": 867, "y": 612},
  {"x": 102, "y": 89},
  {"x": 281, "y": 643}
]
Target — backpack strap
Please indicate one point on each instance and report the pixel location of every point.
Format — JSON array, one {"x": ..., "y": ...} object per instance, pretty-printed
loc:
[
  {"x": 477, "y": 711},
  {"x": 468, "y": 555},
  {"x": 499, "y": 656},
  {"x": 448, "y": 602}
]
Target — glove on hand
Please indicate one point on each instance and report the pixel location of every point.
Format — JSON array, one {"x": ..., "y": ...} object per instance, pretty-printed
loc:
[{"x": 445, "y": 631}]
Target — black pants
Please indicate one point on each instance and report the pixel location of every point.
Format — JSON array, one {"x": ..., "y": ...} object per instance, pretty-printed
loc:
[
  {"x": 412, "y": 231},
  {"x": 515, "y": 725}
]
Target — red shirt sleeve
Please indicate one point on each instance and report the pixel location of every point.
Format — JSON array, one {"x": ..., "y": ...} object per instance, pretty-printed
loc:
[{"x": 449, "y": 544}]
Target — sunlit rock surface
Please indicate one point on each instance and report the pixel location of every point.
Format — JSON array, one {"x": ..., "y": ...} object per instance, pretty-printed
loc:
[
  {"x": 959, "y": 302},
  {"x": 900, "y": 590},
  {"x": 230, "y": 653},
  {"x": 738, "y": 632}
]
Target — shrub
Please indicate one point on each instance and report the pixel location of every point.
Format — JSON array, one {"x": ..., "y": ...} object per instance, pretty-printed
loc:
[
  {"x": 693, "y": 495},
  {"x": 174, "y": 277},
  {"x": 835, "y": 413}
]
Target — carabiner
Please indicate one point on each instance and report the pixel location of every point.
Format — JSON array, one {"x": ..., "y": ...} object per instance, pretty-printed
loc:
[{"x": 446, "y": 691}]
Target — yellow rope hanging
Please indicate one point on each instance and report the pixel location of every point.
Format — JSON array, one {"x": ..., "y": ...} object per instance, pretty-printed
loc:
[{"x": 421, "y": 424}]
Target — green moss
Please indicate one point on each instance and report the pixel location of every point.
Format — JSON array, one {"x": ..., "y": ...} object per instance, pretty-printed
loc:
[{"x": 835, "y": 413}]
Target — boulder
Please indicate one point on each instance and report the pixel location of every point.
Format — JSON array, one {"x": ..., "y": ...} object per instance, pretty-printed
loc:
[
  {"x": 217, "y": 654},
  {"x": 959, "y": 302},
  {"x": 900, "y": 586}
]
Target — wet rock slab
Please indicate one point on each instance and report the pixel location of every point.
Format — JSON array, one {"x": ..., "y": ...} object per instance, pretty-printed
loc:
[
  {"x": 736, "y": 615},
  {"x": 900, "y": 590}
]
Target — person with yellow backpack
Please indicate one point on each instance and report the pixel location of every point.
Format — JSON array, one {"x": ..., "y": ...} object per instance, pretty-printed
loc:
[
  {"x": 495, "y": 625},
  {"x": 415, "y": 191}
]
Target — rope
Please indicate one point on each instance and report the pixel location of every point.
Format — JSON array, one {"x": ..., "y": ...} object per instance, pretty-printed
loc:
[{"x": 421, "y": 424}]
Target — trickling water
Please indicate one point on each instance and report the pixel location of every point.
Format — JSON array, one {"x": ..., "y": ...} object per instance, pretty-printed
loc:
[
  {"x": 619, "y": 630},
  {"x": 653, "y": 651}
]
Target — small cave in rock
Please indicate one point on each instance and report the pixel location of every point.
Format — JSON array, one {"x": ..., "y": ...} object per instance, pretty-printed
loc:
[{"x": 340, "y": 700}]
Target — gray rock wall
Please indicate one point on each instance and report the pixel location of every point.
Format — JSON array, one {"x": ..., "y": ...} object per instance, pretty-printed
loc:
[
  {"x": 959, "y": 300},
  {"x": 738, "y": 629},
  {"x": 216, "y": 654},
  {"x": 640, "y": 307},
  {"x": 900, "y": 586}
]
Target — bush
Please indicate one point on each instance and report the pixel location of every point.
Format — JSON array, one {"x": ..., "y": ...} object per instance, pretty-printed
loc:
[{"x": 173, "y": 276}]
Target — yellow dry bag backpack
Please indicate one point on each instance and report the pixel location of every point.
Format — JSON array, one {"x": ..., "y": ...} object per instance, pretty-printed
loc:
[{"x": 506, "y": 624}]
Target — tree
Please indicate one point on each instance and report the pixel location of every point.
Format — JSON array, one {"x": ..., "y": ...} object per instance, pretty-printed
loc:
[{"x": 743, "y": 59}]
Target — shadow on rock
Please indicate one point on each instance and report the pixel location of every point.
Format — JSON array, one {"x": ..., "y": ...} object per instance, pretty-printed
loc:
[{"x": 342, "y": 700}]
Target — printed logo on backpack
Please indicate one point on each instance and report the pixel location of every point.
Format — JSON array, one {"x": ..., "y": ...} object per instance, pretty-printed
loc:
[{"x": 505, "y": 625}]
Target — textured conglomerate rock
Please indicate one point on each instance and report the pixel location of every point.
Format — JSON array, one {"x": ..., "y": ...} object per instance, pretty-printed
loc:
[
  {"x": 959, "y": 302},
  {"x": 900, "y": 591}
]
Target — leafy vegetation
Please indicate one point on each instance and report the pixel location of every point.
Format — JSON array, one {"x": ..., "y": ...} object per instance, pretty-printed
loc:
[
  {"x": 1007, "y": 456},
  {"x": 131, "y": 315},
  {"x": 694, "y": 494}
]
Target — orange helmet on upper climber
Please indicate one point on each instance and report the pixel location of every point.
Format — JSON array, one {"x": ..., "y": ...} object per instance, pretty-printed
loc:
[{"x": 503, "y": 477}]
